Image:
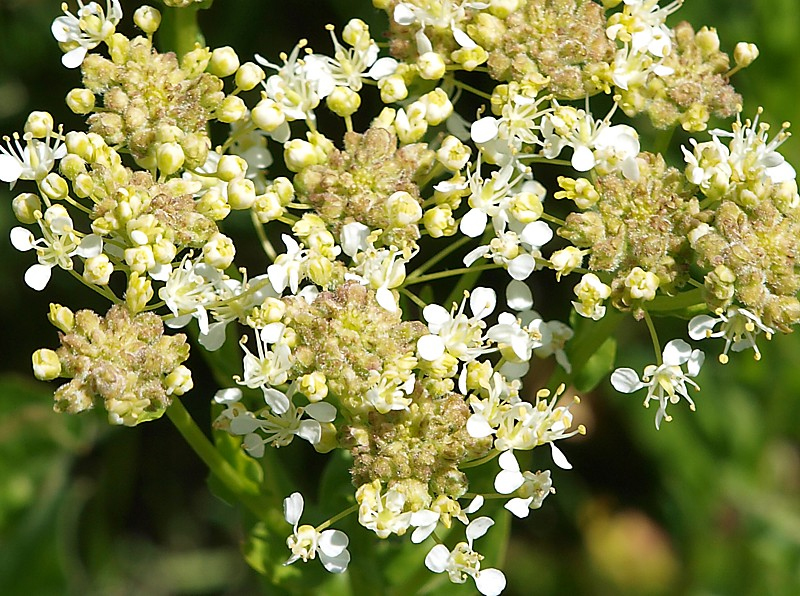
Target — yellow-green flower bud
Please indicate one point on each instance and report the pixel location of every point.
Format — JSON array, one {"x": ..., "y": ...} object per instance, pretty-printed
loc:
[
  {"x": 284, "y": 189},
  {"x": 164, "y": 251},
  {"x": 431, "y": 66},
  {"x": 169, "y": 158},
  {"x": 566, "y": 260},
  {"x": 83, "y": 185},
  {"x": 79, "y": 144},
  {"x": 268, "y": 207},
  {"x": 503, "y": 8},
  {"x": 196, "y": 61},
  {"x": 80, "y": 101},
  {"x": 39, "y": 124},
  {"x": 241, "y": 193},
  {"x": 248, "y": 76},
  {"x": 453, "y": 154},
  {"x": 25, "y": 207},
  {"x": 438, "y": 106},
  {"x": 72, "y": 166},
  {"x": 470, "y": 58},
  {"x": 46, "y": 365},
  {"x": 393, "y": 88},
  {"x": 224, "y": 62},
  {"x": 138, "y": 293},
  {"x": 744, "y": 54},
  {"x": 219, "y": 251},
  {"x": 61, "y": 317},
  {"x": 147, "y": 18},
  {"x": 526, "y": 207},
  {"x": 438, "y": 221},
  {"x": 213, "y": 204},
  {"x": 707, "y": 40},
  {"x": 273, "y": 310},
  {"x": 356, "y": 33},
  {"x": 299, "y": 154},
  {"x": 179, "y": 381},
  {"x": 403, "y": 208},
  {"x": 320, "y": 270},
  {"x": 231, "y": 109},
  {"x": 343, "y": 101},
  {"x": 267, "y": 115},
  {"x": 97, "y": 270},
  {"x": 54, "y": 187},
  {"x": 231, "y": 167}
]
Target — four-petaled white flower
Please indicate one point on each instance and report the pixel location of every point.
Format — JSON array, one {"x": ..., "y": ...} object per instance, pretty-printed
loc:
[
  {"x": 463, "y": 561},
  {"x": 447, "y": 15},
  {"x": 738, "y": 326},
  {"x": 306, "y": 541},
  {"x": 531, "y": 489},
  {"x": 81, "y": 32},
  {"x": 666, "y": 382},
  {"x": 33, "y": 161}
]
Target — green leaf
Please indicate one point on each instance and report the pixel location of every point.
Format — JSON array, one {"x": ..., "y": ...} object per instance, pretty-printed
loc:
[{"x": 597, "y": 367}]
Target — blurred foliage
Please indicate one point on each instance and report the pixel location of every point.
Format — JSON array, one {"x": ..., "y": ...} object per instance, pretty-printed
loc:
[{"x": 708, "y": 505}]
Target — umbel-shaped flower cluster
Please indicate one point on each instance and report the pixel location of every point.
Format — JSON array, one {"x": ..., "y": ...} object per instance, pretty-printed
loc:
[{"x": 366, "y": 334}]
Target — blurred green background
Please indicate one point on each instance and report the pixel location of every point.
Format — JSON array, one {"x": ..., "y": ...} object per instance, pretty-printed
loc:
[{"x": 709, "y": 505}]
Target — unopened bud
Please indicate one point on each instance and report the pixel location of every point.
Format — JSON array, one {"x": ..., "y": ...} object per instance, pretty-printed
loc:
[
  {"x": 224, "y": 62},
  {"x": 147, "y": 19}
]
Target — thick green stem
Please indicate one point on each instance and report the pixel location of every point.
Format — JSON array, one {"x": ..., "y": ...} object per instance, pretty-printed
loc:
[
  {"x": 246, "y": 491},
  {"x": 179, "y": 30}
]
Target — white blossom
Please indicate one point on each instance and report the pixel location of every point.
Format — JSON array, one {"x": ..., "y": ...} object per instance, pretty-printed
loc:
[
  {"x": 738, "y": 326},
  {"x": 81, "y": 32},
  {"x": 306, "y": 541}
]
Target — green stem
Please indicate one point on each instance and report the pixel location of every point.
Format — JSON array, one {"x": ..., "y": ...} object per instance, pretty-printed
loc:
[
  {"x": 179, "y": 30},
  {"x": 436, "y": 258},
  {"x": 450, "y": 272},
  {"x": 653, "y": 336},
  {"x": 246, "y": 491}
]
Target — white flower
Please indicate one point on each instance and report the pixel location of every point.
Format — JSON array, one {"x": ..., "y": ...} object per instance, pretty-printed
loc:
[
  {"x": 463, "y": 561},
  {"x": 488, "y": 198},
  {"x": 591, "y": 293},
  {"x": 58, "y": 245},
  {"x": 77, "y": 34},
  {"x": 738, "y": 326},
  {"x": 268, "y": 367},
  {"x": 382, "y": 269},
  {"x": 455, "y": 332},
  {"x": 306, "y": 541},
  {"x": 532, "y": 489},
  {"x": 642, "y": 25},
  {"x": 289, "y": 269},
  {"x": 382, "y": 513},
  {"x": 189, "y": 290},
  {"x": 32, "y": 161},
  {"x": 666, "y": 383},
  {"x": 448, "y": 15}
]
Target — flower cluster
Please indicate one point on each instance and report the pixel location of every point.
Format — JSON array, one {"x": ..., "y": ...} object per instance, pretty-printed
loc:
[{"x": 368, "y": 333}]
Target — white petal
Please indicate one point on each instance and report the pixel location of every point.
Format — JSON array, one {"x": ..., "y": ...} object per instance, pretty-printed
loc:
[
  {"x": 462, "y": 39},
  {"x": 228, "y": 396},
  {"x": 37, "y": 276},
  {"x": 215, "y": 337},
  {"x": 473, "y": 223},
  {"x": 333, "y": 542},
  {"x": 626, "y": 380},
  {"x": 424, "y": 44},
  {"x": 90, "y": 246},
  {"x": 403, "y": 15},
  {"x": 272, "y": 332},
  {"x": 521, "y": 266},
  {"x": 490, "y": 582},
  {"x": 22, "y": 239},
  {"x": 310, "y": 430},
  {"x": 430, "y": 347},
  {"x": 385, "y": 298},
  {"x": 421, "y": 533},
  {"x": 436, "y": 315},
  {"x": 478, "y": 527},
  {"x": 482, "y": 302},
  {"x": 74, "y": 58},
  {"x": 354, "y": 238},
  {"x": 507, "y": 481},
  {"x": 244, "y": 424},
  {"x": 559, "y": 458},
  {"x": 275, "y": 400},
  {"x": 701, "y": 326},
  {"x": 253, "y": 445},
  {"x": 583, "y": 159},
  {"x": 537, "y": 234},
  {"x": 321, "y": 411},
  {"x": 474, "y": 504},
  {"x": 293, "y": 508},
  {"x": 337, "y": 564},
  {"x": 519, "y": 507},
  {"x": 508, "y": 461},
  {"x": 484, "y": 130},
  {"x": 695, "y": 362},
  {"x": 436, "y": 560},
  {"x": 475, "y": 254},
  {"x": 478, "y": 427},
  {"x": 676, "y": 352},
  {"x": 518, "y": 295},
  {"x": 10, "y": 169},
  {"x": 382, "y": 68}
]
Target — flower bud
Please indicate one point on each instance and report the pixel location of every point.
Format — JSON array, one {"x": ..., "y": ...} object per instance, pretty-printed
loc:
[
  {"x": 72, "y": 166},
  {"x": 284, "y": 188},
  {"x": 195, "y": 61},
  {"x": 438, "y": 107},
  {"x": 83, "y": 185},
  {"x": 343, "y": 101},
  {"x": 219, "y": 252},
  {"x": 273, "y": 310},
  {"x": 25, "y": 206},
  {"x": 179, "y": 381},
  {"x": 169, "y": 158},
  {"x": 46, "y": 365},
  {"x": 139, "y": 293},
  {"x": 268, "y": 207},
  {"x": 39, "y": 124},
  {"x": 213, "y": 205},
  {"x": 147, "y": 19},
  {"x": 241, "y": 193},
  {"x": 431, "y": 66},
  {"x": 231, "y": 109},
  {"x": 453, "y": 154},
  {"x": 393, "y": 88},
  {"x": 328, "y": 440},
  {"x": 313, "y": 386},
  {"x": 231, "y": 167},
  {"x": 97, "y": 270},
  {"x": 61, "y": 317},
  {"x": 54, "y": 187},
  {"x": 356, "y": 33},
  {"x": 248, "y": 76},
  {"x": 80, "y": 101},
  {"x": 80, "y": 144},
  {"x": 224, "y": 62},
  {"x": 707, "y": 40},
  {"x": 267, "y": 115},
  {"x": 438, "y": 221},
  {"x": 744, "y": 54},
  {"x": 299, "y": 154}
]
